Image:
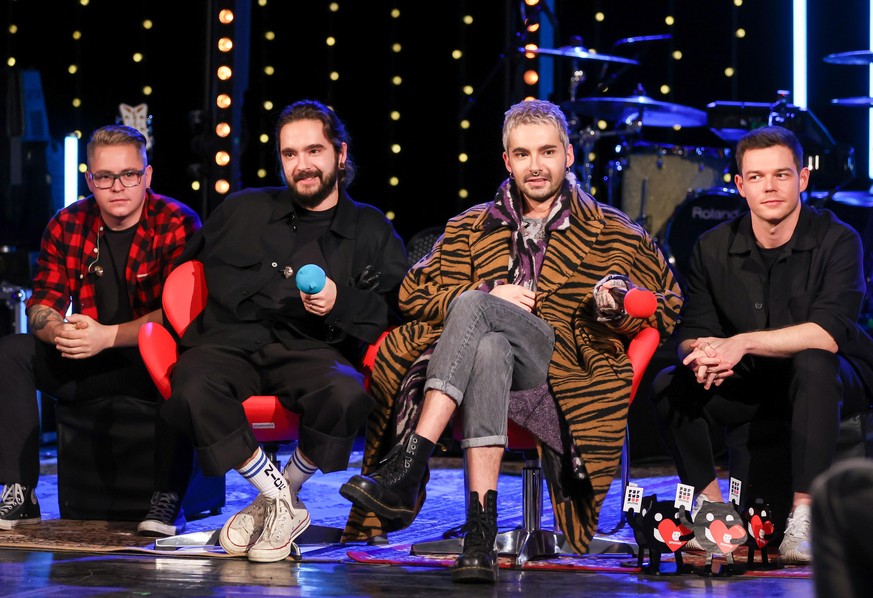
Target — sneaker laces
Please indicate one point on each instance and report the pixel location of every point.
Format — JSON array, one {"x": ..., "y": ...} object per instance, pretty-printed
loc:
[
  {"x": 165, "y": 506},
  {"x": 798, "y": 526},
  {"x": 13, "y": 495},
  {"x": 273, "y": 514}
]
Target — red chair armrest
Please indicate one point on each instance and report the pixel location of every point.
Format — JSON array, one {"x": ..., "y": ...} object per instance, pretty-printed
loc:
[
  {"x": 159, "y": 353},
  {"x": 640, "y": 352},
  {"x": 369, "y": 359}
]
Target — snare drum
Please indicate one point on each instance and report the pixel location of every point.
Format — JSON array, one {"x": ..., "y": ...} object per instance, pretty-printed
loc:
[
  {"x": 701, "y": 210},
  {"x": 658, "y": 176}
]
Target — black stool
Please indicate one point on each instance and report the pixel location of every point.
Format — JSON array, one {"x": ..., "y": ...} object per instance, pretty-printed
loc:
[{"x": 106, "y": 462}]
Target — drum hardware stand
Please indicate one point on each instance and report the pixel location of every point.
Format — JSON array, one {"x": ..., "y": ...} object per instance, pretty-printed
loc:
[
  {"x": 643, "y": 218},
  {"x": 587, "y": 139}
]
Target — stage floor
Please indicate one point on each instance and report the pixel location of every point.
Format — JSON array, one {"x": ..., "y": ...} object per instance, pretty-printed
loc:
[{"x": 328, "y": 571}]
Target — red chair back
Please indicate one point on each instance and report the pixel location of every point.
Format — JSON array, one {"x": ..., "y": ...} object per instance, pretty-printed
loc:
[{"x": 184, "y": 295}]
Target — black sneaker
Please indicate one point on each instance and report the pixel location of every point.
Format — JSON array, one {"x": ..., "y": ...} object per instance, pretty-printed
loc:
[
  {"x": 165, "y": 517},
  {"x": 18, "y": 506}
]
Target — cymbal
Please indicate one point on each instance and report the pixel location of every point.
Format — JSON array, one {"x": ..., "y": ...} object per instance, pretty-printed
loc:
[
  {"x": 652, "y": 113},
  {"x": 861, "y": 102},
  {"x": 580, "y": 54},
  {"x": 857, "y": 57}
]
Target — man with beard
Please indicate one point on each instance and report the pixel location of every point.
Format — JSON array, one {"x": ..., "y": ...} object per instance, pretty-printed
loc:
[{"x": 260, "y": 335}]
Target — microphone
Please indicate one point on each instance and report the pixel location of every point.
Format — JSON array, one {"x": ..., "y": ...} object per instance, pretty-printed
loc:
[
  {"x": 638, "y": 302},
  {"x": 310, "y": 279}
]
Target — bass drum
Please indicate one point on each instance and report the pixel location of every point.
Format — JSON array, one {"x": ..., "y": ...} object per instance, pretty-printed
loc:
[
  {"x": 701, "y": 210},
  {"x": 658, "y": 176}
]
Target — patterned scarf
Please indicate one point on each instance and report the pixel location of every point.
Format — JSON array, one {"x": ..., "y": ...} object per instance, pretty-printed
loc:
[{"x": 526, "y": 255}]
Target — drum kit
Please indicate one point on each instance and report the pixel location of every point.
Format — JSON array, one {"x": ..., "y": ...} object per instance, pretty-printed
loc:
[{"x": 677, "y": 192}]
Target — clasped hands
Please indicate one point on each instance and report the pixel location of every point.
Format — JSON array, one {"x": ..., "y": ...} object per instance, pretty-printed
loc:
[
  {"x": 81, "y": 336},
  {"x": 713, "y": 359}
]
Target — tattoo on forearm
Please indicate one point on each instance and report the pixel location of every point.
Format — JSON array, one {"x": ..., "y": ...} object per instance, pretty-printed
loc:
[{"x": 41, "y": 316}]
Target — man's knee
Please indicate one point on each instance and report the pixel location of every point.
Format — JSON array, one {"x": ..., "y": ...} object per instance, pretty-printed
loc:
[
  {"x": 16, "y": 348},
  {"x": 494, "y": 350},
  {"x": 813, "y": 364}
]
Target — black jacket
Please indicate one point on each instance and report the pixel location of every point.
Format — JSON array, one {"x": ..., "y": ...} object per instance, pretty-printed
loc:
[
  {"x": 244, "y": 246},
  {"x": 818, "y": 278}
]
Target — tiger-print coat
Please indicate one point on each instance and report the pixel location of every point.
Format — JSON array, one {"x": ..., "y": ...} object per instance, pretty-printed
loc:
[{"x": 589, "y": 375}]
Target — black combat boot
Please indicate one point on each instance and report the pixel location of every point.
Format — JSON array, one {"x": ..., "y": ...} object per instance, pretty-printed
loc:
[
  {"x": 392, "y": 490},
  {"x": 478, "y": 562}
]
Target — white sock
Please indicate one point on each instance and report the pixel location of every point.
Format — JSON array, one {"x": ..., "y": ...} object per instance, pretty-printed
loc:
[
  {"x": 297, "y": 471},
  {"x": 263, "y": 475}
]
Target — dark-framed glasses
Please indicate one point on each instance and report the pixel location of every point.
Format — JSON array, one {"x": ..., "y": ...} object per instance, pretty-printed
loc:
[{"x": 128, "y": 178}]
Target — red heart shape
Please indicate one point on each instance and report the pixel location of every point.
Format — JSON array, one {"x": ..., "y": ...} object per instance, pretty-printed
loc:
[
  {"x": 669, "y": 533},
  {"x": 721, "y": 535},
  {"x": 760, "y": 530}
]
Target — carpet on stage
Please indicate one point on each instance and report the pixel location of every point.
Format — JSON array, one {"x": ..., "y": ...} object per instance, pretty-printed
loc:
[{"x": 443, "y": 512}]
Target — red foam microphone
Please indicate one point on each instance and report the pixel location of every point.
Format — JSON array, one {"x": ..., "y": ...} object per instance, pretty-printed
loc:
[{"x": 638, "y": 302}]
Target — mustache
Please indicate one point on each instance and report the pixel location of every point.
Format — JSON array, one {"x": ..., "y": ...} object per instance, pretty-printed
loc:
[{"x": 306, "y": 174}]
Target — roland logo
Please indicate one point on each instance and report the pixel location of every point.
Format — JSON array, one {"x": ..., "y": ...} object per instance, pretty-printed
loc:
[{"x": 699, "y": 213}]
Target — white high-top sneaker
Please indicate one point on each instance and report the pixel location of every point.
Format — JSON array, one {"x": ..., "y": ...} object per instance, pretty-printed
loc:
[{"x": 282, "y": 524}]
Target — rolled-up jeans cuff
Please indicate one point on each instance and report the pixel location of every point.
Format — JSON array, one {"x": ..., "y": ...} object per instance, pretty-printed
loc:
[
  {"x": 484, "y": 441},
  {"x": 436, "y": 384}
]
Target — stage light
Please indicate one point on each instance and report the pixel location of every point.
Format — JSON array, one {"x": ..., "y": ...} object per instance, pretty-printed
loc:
[
  {"x": 225, "y": 17},
  {"x": 222, "y": 186},
  {"x": 799, "y": 41},
  {"x": 531, "y": 77},
  {"x": 71, "y": 173},
  {"x": 224, "y": 73},
  {"x": 223, "y": 101},
  {"x": 225, "y": 44},
  {"x": 222, "y": 129},
  {"x": 222, "y": 158}
]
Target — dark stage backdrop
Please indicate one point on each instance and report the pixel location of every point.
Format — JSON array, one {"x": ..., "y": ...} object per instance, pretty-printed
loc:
[{"x": 94, "y": 69}]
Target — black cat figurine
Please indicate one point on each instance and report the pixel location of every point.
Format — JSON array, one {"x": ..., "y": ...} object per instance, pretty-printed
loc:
[
  {"x": 658, "y": 529},
  {"x": 719, "y": 529},
  {"x": 758, "y": 519}
]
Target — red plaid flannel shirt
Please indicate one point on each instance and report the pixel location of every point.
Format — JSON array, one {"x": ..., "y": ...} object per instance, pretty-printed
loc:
[{"x": 68, "y": 244}]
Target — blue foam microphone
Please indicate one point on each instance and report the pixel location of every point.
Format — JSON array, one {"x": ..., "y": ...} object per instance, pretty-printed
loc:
[{"x": 310, "y": 279}]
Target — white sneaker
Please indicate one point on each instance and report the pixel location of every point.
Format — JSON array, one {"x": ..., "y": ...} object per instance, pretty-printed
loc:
[
  {"x": 241, "y": 531},
  {"x": 283, "y": 522},
  {"x": 796, "y": 548},
  {"x": 693, "y": 544}
]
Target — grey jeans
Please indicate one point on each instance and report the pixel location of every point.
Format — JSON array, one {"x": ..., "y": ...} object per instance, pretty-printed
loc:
[{"x": 488, "y": 347}]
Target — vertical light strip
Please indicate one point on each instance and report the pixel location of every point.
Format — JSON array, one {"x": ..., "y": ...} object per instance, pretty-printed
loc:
[
  {"x": 870, "y": 93},
  {"x": 799, "y": 52},
  {"x": 71, "y": 169}
]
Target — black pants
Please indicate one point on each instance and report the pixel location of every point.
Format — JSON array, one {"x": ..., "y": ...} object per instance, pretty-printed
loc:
[
  {"x": 842, "y": 525},
  {"x": 811, "y": 390},
  {"x": 210, "y": 382},
  {"x": 28, "y": 365}
]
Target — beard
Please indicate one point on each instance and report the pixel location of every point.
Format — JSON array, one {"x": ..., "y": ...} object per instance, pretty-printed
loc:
[{"x": 312, "y": 199}]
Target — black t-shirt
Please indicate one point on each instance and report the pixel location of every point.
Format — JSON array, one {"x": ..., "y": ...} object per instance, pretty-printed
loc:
[{"x": 111, "y": 296}]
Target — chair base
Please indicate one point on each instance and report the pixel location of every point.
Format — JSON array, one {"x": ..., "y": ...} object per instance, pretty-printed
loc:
[
  {"x": 314, "y": 535},
  {"x": 520, "y": 544},
  {"x": 602, "y": 545}
]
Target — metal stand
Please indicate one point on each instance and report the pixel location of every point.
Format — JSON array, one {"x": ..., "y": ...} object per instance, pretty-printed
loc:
[
  {"x": 525, "y": 543},
  {"x": 208, "y": 540}
]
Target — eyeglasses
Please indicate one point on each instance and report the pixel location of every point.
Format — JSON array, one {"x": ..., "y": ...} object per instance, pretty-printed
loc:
[{"x": 105, "y": 180}]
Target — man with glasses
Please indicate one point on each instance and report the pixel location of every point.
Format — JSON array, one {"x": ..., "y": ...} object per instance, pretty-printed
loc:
[{"x": 107, "y": 254}]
